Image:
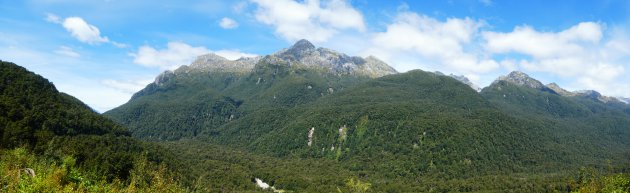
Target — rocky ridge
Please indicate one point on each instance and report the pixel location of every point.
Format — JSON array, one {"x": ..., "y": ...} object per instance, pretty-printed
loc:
[
  {"x": 302, "y": 53},
  {"x": 306, "y": 54},
  {"x": 522, "y": 79}
]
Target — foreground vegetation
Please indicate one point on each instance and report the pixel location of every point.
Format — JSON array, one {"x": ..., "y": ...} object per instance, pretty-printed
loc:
[{"x": 23, "y": 171}]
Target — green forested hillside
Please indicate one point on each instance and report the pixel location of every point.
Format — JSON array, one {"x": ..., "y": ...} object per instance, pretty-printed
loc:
[
  {"x": 205, "y": 101},
  {"x": 68, "y": 146}
]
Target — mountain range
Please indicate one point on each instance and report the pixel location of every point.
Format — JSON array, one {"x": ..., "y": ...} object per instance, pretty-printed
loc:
[
  {"x": 309, "y": 119},
  {"x": 392, "y": 129}
]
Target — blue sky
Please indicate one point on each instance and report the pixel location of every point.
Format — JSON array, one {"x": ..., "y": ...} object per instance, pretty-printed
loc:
[{"x": 103, "y": 51}]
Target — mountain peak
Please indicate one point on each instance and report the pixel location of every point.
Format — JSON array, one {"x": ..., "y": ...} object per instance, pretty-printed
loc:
[
  {"x": 305, "y": 54},
  {"x": 561, "y": 91},
  {"x": 521, "y": 79},
  {"x": 302, "y": 44},
  {"x": 213, "y": 62}
]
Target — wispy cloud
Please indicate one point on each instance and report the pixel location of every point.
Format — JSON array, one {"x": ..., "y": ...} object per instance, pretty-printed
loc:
[
  {"x": 486, "y": 2},
  {"x": 67, "y": 51},
  {"x": 227, "y": 23},
  {"x": 127, "y": 86}
]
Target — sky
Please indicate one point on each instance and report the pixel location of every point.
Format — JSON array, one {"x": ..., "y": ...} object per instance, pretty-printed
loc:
[{"x": 103, "y": 51}]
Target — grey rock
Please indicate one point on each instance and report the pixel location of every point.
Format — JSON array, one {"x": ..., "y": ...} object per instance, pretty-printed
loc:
[
  {"x": 215, "y": 63},
  {"x": 304, "y": 54},
  {"x": 521, "y": 79}
]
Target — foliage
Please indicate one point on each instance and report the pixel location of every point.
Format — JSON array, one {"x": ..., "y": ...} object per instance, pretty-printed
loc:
[
  {"x": 65, "y": 176},
  {"x": 70, "y": 146}
]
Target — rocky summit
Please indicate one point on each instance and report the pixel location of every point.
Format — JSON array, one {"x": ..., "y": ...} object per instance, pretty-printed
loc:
[
  {"x": 304, "y": 53},
  {"x": 521, "y": 79}
]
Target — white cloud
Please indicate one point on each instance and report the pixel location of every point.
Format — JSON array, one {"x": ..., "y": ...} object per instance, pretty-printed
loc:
[
  {"x": 415, "y": 41},
  {"x": 313, "y": 20},
  {"x": 240, "y": 6},
  {"x": 227, "y": 23},
  {"x": 126, "y": 86},
  {"x": 53, "y": 18},
  {"x": 233, "y": 54},
  {"x": 83, "y": 31},
  {"x": 526, "y": 40},
  {"x": 177, "y": 54},
  {"x": 67, "y": 51}
]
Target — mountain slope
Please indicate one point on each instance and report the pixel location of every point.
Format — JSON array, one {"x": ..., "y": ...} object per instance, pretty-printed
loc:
[
  {"x": 213, "y": 91},
  {"x": 58, "y": 128},
  {"x": 32, "y": 111},
  {"x": 581, "y": 125}
]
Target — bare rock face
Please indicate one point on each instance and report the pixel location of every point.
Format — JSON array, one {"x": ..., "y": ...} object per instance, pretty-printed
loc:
[
  {"x": 521, "y": 79},
  {"x": 215, "y": 63},
  {"x": 304, "y": 53}
]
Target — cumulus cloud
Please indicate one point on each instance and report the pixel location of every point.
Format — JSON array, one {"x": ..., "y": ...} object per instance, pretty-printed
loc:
[
  {"x": 67, "y": 51},
  {"x": 83, "y": 31},
  {"x": 415, "y": 41},
  {"x": 227, "y": 23},
  {"x": 177, "y": 54},
  {"x": 312, "y": 19},
  {"x": 526, "y": 40}
]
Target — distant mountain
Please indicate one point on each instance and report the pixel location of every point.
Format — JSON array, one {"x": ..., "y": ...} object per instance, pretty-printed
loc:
[{"x": 624, "y": 100}]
